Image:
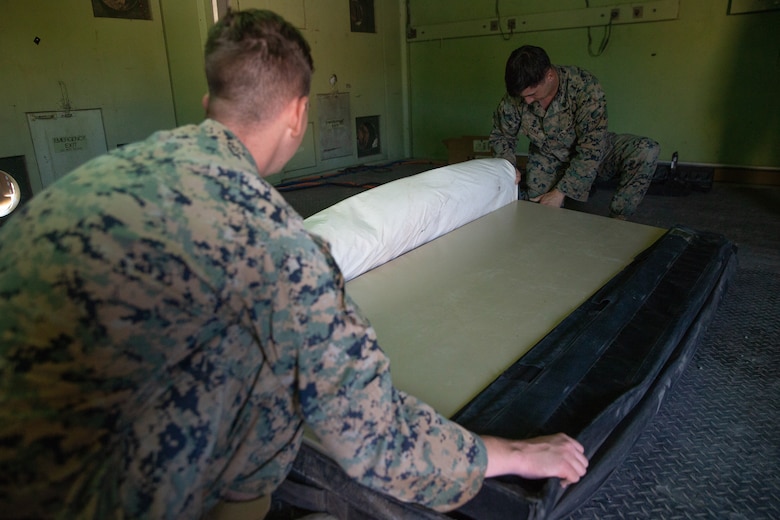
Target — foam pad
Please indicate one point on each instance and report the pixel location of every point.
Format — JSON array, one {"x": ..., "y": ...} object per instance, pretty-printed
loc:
[{"x": 375, "y": 226}]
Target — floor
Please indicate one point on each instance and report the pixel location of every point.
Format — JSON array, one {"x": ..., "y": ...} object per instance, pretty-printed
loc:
[{"x": 713, "y": 449}]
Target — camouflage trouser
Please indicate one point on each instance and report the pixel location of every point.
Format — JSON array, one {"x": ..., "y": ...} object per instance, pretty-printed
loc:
[{"x": 630, "y": 157}]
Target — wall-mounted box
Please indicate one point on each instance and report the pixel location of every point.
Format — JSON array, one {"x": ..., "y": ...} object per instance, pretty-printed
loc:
[{"x": 468, "y": 147}]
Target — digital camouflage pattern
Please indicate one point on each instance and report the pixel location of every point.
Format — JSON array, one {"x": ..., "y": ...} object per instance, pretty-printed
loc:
[
  {"x": 570, "y": 146},
  {"x": 167, "y": 324}
]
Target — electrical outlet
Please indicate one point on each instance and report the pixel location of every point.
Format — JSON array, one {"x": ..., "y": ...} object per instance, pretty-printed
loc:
[
  {"x": 511, "y": 24},
  {"x": 639, "y": 11},
  {"x": 615, "y": 14},
  {"x": 493, "y": 25}
]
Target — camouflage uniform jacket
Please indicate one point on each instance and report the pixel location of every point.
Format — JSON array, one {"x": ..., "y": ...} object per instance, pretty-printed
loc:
[
  {"x": 571, "y": 132},
  {"x": 167, "y": 327}
]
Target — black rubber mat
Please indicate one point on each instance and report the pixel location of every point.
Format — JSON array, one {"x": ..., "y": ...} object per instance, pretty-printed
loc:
[
  {"x": 713, "y": 449},
  {"x": 606, "y": 368}
]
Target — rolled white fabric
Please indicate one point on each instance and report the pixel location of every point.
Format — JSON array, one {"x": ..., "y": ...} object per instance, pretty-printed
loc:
[{"x": 375, "y": 226}]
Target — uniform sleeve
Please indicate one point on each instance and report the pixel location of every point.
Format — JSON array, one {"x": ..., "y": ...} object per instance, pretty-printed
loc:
[
  {"x": 506, "y": 125},
  {"x": 382, "y": 437},
  {"x": 590, "y": 125}
]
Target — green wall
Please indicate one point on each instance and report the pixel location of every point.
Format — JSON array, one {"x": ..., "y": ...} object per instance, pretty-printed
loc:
[
  {"x": 118, "y": 66},
  {"x": 705, "y": 85},
  {"x": 186, "y": 25},
  {"x": 368, "y": 66},
  {"x": 147, "y": 75}
]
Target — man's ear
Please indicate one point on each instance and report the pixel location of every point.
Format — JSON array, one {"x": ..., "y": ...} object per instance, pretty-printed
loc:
[{"x": 300, "y": 116}]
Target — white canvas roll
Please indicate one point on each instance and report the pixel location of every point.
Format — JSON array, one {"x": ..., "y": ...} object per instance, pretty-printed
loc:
[{"x": 375, "y": 226}]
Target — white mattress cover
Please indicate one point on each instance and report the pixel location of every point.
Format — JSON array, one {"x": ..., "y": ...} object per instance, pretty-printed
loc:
[{"x": 375, "y": 226}]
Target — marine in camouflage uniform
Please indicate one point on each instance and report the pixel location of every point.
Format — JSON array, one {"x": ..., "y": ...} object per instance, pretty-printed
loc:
[
  {"x": 570, "y": 147},
  {"x": 167, "y": 327}
]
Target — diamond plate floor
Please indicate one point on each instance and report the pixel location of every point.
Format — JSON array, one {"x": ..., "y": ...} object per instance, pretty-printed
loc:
[{"x": 713, "y": 449}]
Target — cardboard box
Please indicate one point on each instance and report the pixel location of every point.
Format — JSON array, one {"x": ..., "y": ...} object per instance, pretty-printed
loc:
[{"x": 468, "y": 147}]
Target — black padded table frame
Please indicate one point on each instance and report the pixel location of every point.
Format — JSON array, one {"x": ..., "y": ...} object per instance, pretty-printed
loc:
[{"x": 600, "y": 375}]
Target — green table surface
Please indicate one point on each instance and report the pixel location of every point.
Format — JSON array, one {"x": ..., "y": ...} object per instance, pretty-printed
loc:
[{"x": 453, "y": 314}]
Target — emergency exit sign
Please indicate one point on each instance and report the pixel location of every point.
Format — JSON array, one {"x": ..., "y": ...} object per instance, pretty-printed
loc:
[
  {"x": 64, "y": 140},
  {"x": 72, "y": 143}
]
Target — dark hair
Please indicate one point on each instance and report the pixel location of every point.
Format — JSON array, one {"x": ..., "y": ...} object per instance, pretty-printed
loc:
[
  {"x": 525, "y": 68},
  {"x": 255, "y": 63}
]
